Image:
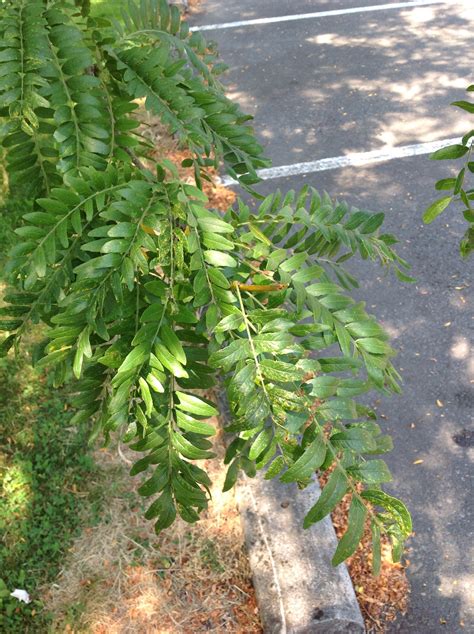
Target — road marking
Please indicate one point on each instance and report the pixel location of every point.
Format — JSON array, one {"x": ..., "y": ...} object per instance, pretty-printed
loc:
[
  {"x": 349, "y": 160},
  {"x": 322, "y": 14}
]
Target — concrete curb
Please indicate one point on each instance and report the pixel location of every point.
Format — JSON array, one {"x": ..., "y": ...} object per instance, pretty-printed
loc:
[{"x": 298, "y": 590}]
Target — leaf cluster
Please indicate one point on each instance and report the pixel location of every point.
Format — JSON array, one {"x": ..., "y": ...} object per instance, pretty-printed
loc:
[
  {"x": 461, "y": 191},
  {"x": 151, "y": 296}
]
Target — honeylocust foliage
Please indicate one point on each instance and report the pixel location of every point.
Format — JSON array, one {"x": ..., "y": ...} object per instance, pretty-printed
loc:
[
  {"x": 460, "y": 186},
  {"x": 150, "y": 295}
]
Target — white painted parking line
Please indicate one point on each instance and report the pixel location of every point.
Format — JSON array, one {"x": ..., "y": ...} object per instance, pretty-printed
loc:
[
  {"x": 349, "y": 160},
  {"x": 323, "y": 14}
]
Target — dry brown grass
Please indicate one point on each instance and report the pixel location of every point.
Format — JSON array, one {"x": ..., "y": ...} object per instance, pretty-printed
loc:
[
  {"x": 193, "y": 6},
  {"x": 121, "y": 578}
]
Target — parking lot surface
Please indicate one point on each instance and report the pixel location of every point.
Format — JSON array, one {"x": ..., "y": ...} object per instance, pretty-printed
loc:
[{"x": 365, "y": 81}]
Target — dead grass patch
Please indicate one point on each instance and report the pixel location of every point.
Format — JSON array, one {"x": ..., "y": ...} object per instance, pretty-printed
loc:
[{"x": 121, "y": 578}]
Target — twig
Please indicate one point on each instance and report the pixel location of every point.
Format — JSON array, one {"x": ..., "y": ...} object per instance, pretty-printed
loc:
[
  {"x": 137, "y": 162},
  {"x": 122, "y": 456},
  {"x": 136, "y": 543},
  {"x": 260, "y": 288}
]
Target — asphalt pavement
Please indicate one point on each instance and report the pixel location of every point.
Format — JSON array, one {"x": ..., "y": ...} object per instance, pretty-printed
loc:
[{"x": 334, "y": 85}]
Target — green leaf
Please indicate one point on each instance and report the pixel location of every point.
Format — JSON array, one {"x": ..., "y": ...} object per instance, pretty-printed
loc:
[
  {"x": 231, "y": 322},
  {"x": 188, "y": 423},
  {"x": 464, "y": 105},
  {"x": 260, "y": 443},
  {"x": 466, "y": 138},
  {"x": 53, "y": 358},
  {"x": 308, "y": 274},
  {"x": 215, "y": 225},
  {"x": 322, "y": 288},
  {"x": 173, "y": 344},
  {"x": 135, "y": 357},
  {"x": 449, "y": 152},
  {"x": 268, "y": 454},
  {"x": 231, "y": 475},
  {"x": 188, "y": 449},
  {"x": 436, "y": 208},
  {"x": 155, "y": 383},
  {"x": 218, "y": 278},
  {"x": 359, "y": 440},
  {"x": 376, "y": 548},
  {"x": 294, "y": 262},
  {"x": 146, "y": 395},
  {"x": 445, "y": 183},
  {"x": 397, "y": 544},
  {"x": 275, "y": 468},
  {"x": 281, "y": 371},
  {"x": 393, "y": 506},
  {"x": 366, "y": 328},
  {"x": 324, "y": 386},
  {"x": 123, "y": 230},
  {"x": 331, "y": 495},
  {"x": 156, "y": 483},
  {"x": 312, "y": 458},
  {"x": 168, "y": 360},
  {"x": 276, "y": 342},
  {"x": 140, "y": 466},
  {"x": 6, "y": 345},
  {"x": 338, "y": 364},
  {"x": 227, "y": 357},
  {"x": 164, "y": 509},
  {"x": 338, "y": 409},
  {"x": 383, "y": 444},
  {"x": 371, "y": 472},
  {"x": 195, "y": 405},
  {"x": 77, "y": 364},
  {"x": 355, "y": 529},
  {"x": 188, "y": 494},
  {"x": 404, "y": 278},
  {"x": 52, "y": 205},
  {"x": 152, "y": 313},
  {"x": 217, "y": 258},
  {"x": 259, "y": 234},
  {"x": 212, "y": 317},
  {"x": 372, "y": 223},
  {"x": 39, "y": 262},
  {"x": 374, "y": 346}
]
